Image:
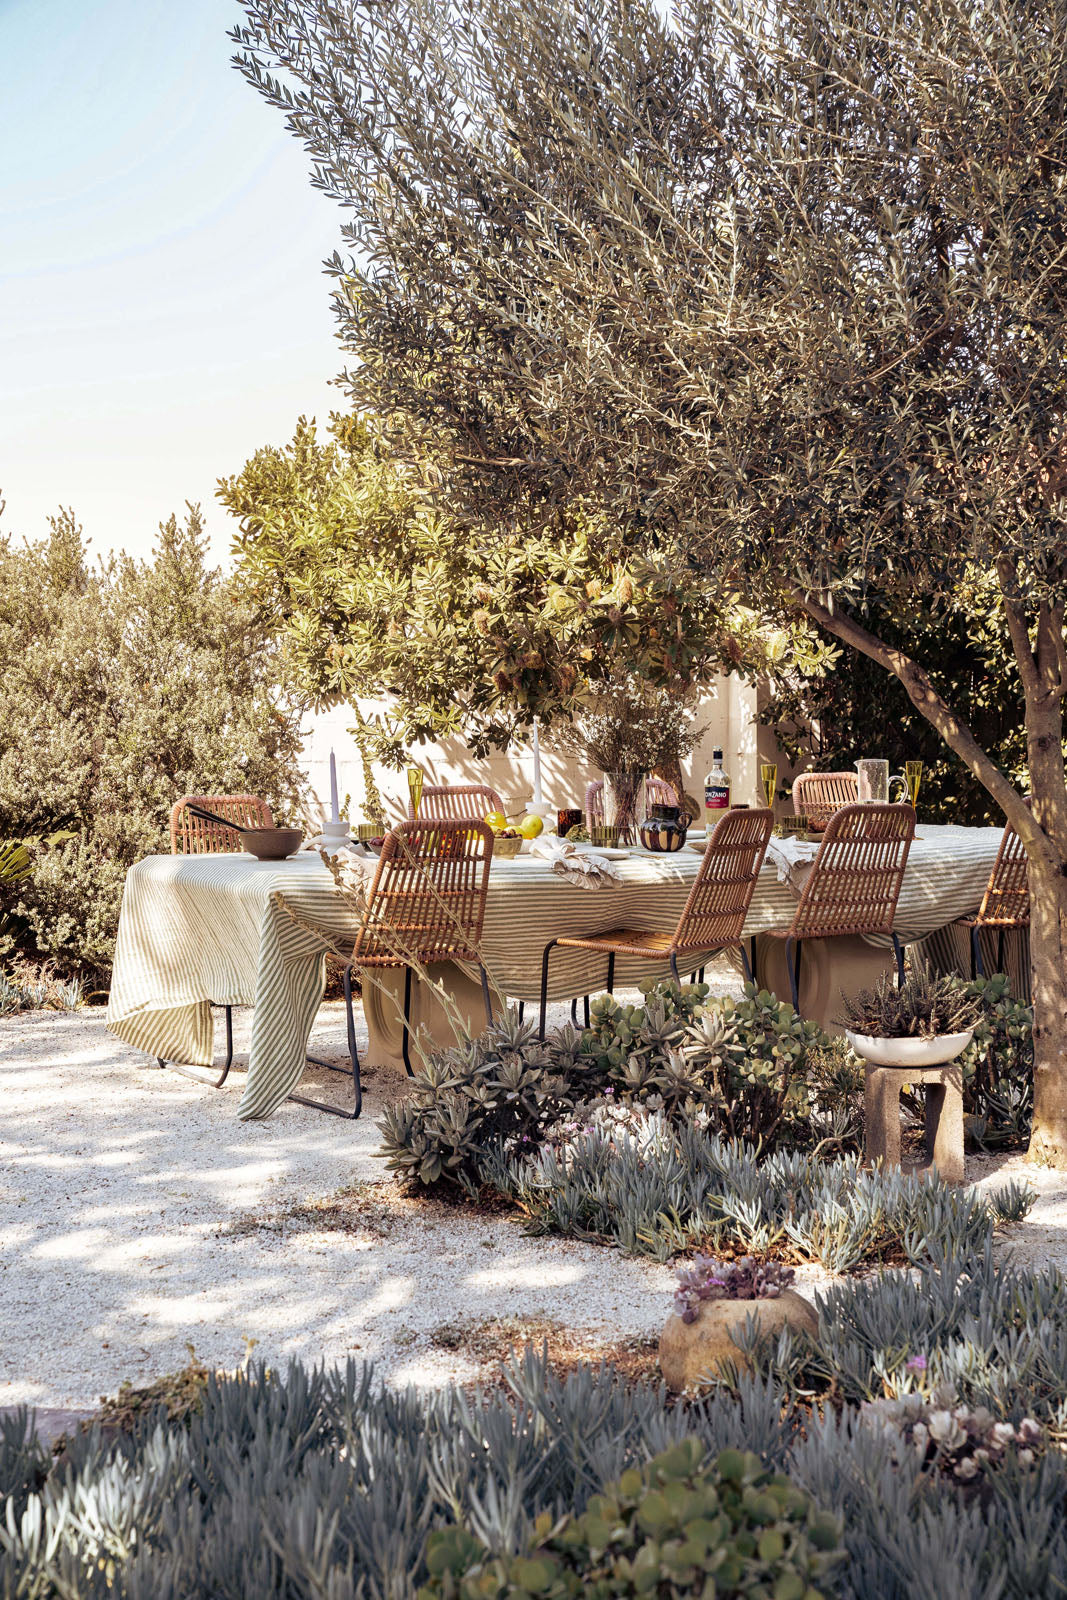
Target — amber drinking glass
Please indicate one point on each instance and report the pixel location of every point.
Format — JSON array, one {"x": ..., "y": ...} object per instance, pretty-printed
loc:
[
  {"x": 768, "y": 776},
  {"x": 568, "y": 817}
]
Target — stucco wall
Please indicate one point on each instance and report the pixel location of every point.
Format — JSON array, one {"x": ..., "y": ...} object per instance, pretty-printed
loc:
[{"x": 728, "y": 711}]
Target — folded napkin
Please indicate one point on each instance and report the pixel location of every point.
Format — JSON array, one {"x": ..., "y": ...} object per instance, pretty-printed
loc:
[
  {"x": 575, "y": 862},
  {"x": 792, "y": 857}
]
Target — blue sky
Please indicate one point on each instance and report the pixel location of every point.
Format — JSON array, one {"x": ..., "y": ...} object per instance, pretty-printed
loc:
[{"x": 163, "y": 310}]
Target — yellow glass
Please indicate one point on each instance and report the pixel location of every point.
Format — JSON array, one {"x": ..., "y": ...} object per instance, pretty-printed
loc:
[
  {"x": 913, "y": 777},
  {"x": 768, "y": 774},
  {"x": 415, "y": 781}
]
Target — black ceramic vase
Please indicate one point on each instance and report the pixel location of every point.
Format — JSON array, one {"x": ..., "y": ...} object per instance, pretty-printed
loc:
[{"x": 664, "y": 830}]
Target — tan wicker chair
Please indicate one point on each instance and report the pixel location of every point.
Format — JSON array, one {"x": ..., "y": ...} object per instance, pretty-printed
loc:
[
  {"x": 817, "y": 795},
  {"x": 444, "y": 802},
  {"x": 854, "y": 883},
  {"x": 658, "y": 792},
  {"x": 426, "y": 903},
  {"x": 1006, "y": 902},
  {"x": 191, "y": 835},
  {"x": 713, "y": 916}
]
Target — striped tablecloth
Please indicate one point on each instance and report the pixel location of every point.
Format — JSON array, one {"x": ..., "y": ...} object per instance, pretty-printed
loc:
[{"x": 196, "y": 929}]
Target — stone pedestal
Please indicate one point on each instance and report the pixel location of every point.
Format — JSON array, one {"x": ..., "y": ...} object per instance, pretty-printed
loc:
[{"x": 944, "y": 1115}]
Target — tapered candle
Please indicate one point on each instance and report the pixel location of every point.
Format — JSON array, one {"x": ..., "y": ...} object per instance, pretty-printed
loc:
[
  {"x": 537, "y": 797},
  {"x": 335, "y": 809}
]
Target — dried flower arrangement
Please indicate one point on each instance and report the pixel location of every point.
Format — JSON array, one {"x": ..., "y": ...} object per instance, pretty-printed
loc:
[{"x": 746, "y": 1279}]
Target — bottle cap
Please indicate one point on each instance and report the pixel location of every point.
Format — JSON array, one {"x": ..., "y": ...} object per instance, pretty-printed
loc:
[{"x": 716, "y": 755}]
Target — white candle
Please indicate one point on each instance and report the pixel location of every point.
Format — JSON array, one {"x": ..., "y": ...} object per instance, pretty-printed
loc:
[
  {"x": 537, "y": 798},
  {"x": 335, "y": 810}
]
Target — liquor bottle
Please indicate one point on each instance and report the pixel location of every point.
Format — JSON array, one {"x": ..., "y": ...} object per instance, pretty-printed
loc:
[{"x": 716, "y": 786}]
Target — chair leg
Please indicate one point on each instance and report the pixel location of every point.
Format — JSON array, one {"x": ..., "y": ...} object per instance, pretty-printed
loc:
[
  {"x": 674, "y": 972},
  {"x": 544, "y": 988},
  {"x": 746, "y": 963},
  {"x": 611, "y": 973},
  {"x": 522, "y": 1009},
  {"x": 752, "y": 956},
  {"x": 898, "y": 951},
  {"x": 977, "y": 965},
  {"x": 585, "y": 1006},
  {"x": 404, "y": 1050},
  {"x": 1000, "y": 950},
  {"x": 700, "y": 975},
  {"x": 487, "y": 997},
  {"x": 792, "y": 961},
  {"x": 203, "y": 1074},
  {"x": 574, "y": 1010},
  {"x": 353, "y": 1066}
]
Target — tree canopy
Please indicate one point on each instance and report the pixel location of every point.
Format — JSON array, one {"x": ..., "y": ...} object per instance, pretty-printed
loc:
[
  {"x": 776, "y": 286},
  {"x": 378, "y": 593}
]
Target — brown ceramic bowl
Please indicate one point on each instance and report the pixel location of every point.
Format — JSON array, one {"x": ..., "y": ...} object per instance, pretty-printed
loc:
[{"x": 272, "y": 844}]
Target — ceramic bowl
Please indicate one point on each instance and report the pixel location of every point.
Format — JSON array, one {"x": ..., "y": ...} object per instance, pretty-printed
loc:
[{"x": 272, "y": 844}]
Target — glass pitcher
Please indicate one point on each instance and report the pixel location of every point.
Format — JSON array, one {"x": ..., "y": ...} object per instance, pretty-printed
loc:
[{"x": 874, "y": 782}]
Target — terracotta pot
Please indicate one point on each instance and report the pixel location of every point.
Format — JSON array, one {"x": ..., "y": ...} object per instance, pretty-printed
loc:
[{"x": 692, "y": 1352}]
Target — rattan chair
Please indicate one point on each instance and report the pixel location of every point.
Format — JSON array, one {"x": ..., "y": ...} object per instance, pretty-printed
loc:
[
  {"x": 713, "y": 916},
  {"x": 1006, "y": 902},
  {"x": 854, "y": 883},
  {"x": 426, "y": 904},
  {"x": 452, "y": 802},
  {"x": 817, "y": 795},
  {"x": 191, "y": 835},
  {"x": 658, "y": 792}
]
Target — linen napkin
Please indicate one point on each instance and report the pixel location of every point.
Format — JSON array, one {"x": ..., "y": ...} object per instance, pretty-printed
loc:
[
  {"x": 575, "y": 862},
  {"x": 792, "y": 857}
]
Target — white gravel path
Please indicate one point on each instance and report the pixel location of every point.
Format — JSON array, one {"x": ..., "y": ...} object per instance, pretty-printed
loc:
[{"x": 116, "y": 1178}]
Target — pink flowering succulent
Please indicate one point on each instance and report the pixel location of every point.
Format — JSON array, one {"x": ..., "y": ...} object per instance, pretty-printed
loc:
[
  {"x": 959, "y": 1440},
  {"x": 746, "y": 1279}
]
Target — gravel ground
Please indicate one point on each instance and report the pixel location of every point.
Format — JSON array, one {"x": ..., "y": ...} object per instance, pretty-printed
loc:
[
  {"x": 123, "y": 1191},
  {"x": 125, "y": 1198}
]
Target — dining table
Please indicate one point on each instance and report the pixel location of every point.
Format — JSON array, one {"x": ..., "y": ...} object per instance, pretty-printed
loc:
[{"x": 231, "y": 930}]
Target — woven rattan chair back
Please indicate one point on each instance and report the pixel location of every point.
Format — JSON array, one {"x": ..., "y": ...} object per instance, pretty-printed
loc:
[
  {"x": 1006, "y": 902},
  {"x": 718, "y": 902},
  {"x": 454, "y": 802},
  {"x": 194, "y": 836},
  {"x": 427, "y": 900},
  {"x": 658, "y": 792},
  {"x": 817, "y": 795},
  {"x": 854, "y": 883}
]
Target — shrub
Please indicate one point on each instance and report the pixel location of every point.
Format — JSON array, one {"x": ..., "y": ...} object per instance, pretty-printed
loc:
[
  {"x": 122, "y": 686},
  {"x": 998, "y": 1067},
  {"x": 750, "y": 1068},
  {"x": 660, "y": 1190},
  {"x": 675, "y": 1528}
]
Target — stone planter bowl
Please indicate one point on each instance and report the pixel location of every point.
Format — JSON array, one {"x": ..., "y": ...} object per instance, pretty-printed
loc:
[
  {"x": 272, "y": 844},
  {"x": 933, "y": 1052},
  {"x": 691, "y": 1352}
]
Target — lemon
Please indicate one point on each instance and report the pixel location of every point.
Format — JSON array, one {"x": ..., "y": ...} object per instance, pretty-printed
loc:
[
  {"x": 530, "y": 827},
  {"x": 496, "y": 820}
]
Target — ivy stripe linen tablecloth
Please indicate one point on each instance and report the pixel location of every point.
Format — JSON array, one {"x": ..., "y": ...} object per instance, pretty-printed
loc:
[{"x": 196, "y": 929}]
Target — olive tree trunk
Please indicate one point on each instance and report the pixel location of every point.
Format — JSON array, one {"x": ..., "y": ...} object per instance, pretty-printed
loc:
[{"x": 1041, "y": 823}]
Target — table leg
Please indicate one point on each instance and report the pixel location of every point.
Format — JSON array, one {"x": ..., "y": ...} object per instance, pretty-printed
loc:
[
  {"x": 830, "y": 968},
  {"x": 463, "y": 1005}
]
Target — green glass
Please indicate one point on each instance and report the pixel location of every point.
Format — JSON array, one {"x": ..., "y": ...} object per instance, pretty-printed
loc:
[
  {"x": 415, "y": 782},
  {"x": 768, "y": 774}
]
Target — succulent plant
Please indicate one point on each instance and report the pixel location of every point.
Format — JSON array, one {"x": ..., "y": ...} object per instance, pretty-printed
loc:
[
  {"x": 676, "y": 1528},
  {"x": 961, "y": 1440},
  {"x": 746, "y": 1279},
  {"x": 923, "y": 1007}
]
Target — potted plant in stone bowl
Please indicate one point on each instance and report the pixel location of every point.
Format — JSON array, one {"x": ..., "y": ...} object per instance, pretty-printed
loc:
[
  {"x": 713, "y": 1303},
  {"x": 926, "y": 1022}
]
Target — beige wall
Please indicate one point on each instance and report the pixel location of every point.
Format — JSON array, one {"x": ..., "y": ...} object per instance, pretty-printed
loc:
[{"x": 729, "y": 712}]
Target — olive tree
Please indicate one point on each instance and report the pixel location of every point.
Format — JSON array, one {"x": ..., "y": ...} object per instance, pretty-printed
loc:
[{"x": 779, "y": 285}]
